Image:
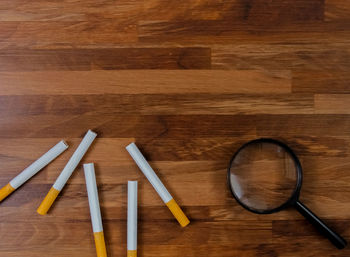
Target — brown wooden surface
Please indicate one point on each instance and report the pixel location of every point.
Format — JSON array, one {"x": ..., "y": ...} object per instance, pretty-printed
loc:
[{"x": 189, "y": 81}]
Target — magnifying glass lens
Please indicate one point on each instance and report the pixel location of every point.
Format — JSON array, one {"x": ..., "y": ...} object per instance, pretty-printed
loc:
[{"x": 263, "y": 176}]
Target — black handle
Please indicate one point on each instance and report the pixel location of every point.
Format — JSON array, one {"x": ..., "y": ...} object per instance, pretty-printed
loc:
[{"x": 336, "y": 239}]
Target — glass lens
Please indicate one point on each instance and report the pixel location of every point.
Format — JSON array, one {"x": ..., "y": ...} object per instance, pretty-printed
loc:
[{"x": 263, "y": 176}]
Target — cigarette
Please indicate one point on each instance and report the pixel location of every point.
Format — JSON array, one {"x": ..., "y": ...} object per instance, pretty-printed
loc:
[
  {"x": 132, "y": 219},
  {"x": 95, "y": 212},
  {"x": 157, "y": 184},
  {"x": 66, "y": 172},
  {"x": 33, "y": 169}
]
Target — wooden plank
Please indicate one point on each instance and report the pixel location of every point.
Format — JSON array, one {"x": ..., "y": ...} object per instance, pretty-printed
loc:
[
  {"x": 20, "y": 152},
  {"x": 251, "y": 11},
  {"x": 323, "y": 81},
  {"x": 35, "y": 34},
  {"x": 42, "y": 10},
  {"x": 226, "y": 32},
  {"x": 295, "y": 125},
  {"x": 332, "y": 104},
  {"x": 144, "y": 82},
  {"x": 192, "y": 9},
  {"x": 130, "y": 126},
  {"x": 105, "y": 59},
  {"x": 189, "y": 104},
  {"x": 337, "y": 10},
  {"x": 302, "y": 57}
]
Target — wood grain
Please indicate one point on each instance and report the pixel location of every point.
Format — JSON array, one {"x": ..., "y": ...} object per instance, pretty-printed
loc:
[
  {"x": 179, "y": 104},
  {"x": 226, "y": 32},
  {"x": 332, "y": 104},
  {"x": 105, "y": 59},
  {"x": 337, "y": 10},
  {"x": 36, "y": 34},
  {"x": 189, "y": 82},
  {"x": 321, "y": 81},
  {"x": 298, "y": 57},
  {"x": 144, "y": 82}
]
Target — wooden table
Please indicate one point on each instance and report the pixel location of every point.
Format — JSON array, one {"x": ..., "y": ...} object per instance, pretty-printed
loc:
[{"x": 189, "y": 81}]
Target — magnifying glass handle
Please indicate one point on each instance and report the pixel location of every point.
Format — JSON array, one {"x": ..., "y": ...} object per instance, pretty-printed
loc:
[{"x": 336, "y": 239}]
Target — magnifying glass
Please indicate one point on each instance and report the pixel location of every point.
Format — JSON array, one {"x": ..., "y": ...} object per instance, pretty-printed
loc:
[{"x": 265, "y": 176}]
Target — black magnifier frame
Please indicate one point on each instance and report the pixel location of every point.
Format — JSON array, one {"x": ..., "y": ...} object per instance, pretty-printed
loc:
[{"x": 293, "y": 200}]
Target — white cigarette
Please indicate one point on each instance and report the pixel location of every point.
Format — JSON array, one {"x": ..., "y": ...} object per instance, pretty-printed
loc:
[
  {"x": 95, "y": 212},
  {"x": 132, "y": 219},
  {"x": 33, "y": 169},
  {"x": 157, "y": 184},
  {"x": 66, "y": 172}
]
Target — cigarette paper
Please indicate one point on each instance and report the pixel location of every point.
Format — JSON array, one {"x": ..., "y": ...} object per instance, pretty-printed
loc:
[
  {"x": 95, "y": 212},
  {"x": 132, "y": 219},
  {"x": 66, "y": 172},
  {"x": 157, "y": 184},
  {"x": 33, "y": 169}
]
